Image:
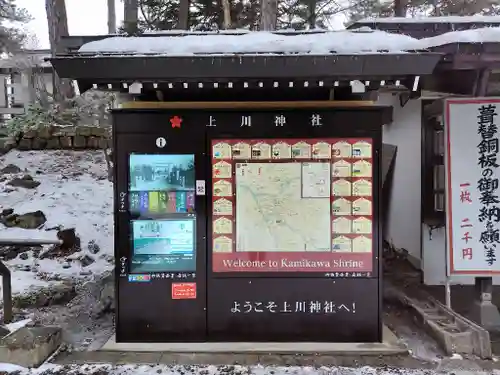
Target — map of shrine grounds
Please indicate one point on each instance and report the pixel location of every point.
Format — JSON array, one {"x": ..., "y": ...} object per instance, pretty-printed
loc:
[{"x": 283, "y": 207}]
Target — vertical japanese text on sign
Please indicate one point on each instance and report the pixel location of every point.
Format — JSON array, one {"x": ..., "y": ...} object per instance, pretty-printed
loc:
[
  {"x": 473, "y": 209},
  {"x": 488, "y": 183}
]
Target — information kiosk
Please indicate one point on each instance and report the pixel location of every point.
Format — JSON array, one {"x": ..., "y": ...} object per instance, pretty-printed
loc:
[
  {"x": 249, "y": 224},
  {"x": 247, "y": 200}
]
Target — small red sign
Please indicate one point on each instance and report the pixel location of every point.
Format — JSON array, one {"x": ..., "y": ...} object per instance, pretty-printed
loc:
[
  {"x": 183, "y": 290},
  {"x": 176, "y": 122}
]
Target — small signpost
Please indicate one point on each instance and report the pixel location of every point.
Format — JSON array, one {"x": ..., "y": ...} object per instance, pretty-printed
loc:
[{"x": 473, "y": 197}]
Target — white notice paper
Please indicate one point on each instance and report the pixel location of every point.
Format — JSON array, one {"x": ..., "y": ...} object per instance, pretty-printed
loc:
[
  {"x": 315, "y": 180},
  {"x": 472, "y": 186},
  {"x": 200, "y": 187}
]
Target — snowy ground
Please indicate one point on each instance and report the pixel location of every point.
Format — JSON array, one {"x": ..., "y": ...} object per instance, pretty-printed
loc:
[
  {"x": 73, "y": 194},
  {"x": 223, "y": 370}
]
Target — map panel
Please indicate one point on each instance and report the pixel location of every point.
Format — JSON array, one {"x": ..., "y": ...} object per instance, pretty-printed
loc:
[{"x": 271, "y": 213}]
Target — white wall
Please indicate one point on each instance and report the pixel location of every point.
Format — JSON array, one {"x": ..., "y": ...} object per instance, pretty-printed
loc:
[
  {"x": 434, "y": 248},
  {"x": 404, "y": 219},
  {"x": 405, "y": 229},
  {"x": 22, "y": 91}
]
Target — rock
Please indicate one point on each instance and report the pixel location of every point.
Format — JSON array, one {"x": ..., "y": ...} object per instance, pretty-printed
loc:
[
  {"x": 93, "y": 247},
  {"x": 24, "y": 256},
  {"x": 79, "y": 141},
  {"x": 98, "y": 131},
  {"x": 24, "y": 144},
  {"x": 84, "y": 131},
  {"x": 45, "y": 132},
  {"x": 57, "y": 294},
  {"x": 29, "y": 220},
  {"x": 103, "y": 143},
  {"x": 12, "y": 251},
  {"x": 86, "y": 260},
  {"x": 38, "y": 143},
  {"x": 10, "y": 169},
  {"x": 70, "y": 245},
  {"x": 30, "y": 134},
  {"x": 69, "y": 238},
  {"x": 66, "y": 142},
  {"x": 4, "y": 331},
  {"x": 107, "y": 294},
  {"x": 53, "y": 143},
  {"x": 57, "y": 227},
  {"x": 10, "y": 143},
  {"x": 30, "y": 346},
  {"x": 92, "y": 142},
  {"x": 26, "y": 182},
  {"x": 7, "y": 212}
]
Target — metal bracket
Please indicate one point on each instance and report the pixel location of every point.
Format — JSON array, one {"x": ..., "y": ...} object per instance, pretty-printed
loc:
[{"x": 404, "y": 98}]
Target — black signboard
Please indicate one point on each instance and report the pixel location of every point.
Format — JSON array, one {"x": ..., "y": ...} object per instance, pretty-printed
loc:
[{"x": 248, "y": 225}]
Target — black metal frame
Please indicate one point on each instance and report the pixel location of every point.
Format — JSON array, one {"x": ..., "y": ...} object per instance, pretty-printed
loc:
[
  {"x": 430, "y": 159},
  {"x": 156, "y": 72},
  {"x": 146, "y": 313}
]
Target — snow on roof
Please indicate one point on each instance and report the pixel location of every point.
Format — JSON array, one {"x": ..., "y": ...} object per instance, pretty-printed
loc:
[
  {"x": 363, "y": 40},
  {"x": 444, "y": 19},
  {"x": 482, "y": 35},
  {"x": 230, "y": 32}
]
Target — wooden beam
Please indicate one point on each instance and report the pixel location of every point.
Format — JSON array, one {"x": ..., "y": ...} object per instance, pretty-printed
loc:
[
  {"x": 246, "y": 105},
  {"x": 11, "y": 111}
]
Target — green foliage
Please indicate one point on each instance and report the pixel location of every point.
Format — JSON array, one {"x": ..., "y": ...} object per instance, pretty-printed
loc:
[
  {"x": 89, "y": 109},
  {"x": 11, "y": 36},
  {"x": 208, "y": 14},
  {"x": 36, "y": 117},
  {"x": 381, "y": 8}
]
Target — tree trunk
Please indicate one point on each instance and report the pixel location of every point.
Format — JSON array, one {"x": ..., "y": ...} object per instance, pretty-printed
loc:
[
  {"x": 400, "y": 8},
  {"x": 312, "y": 17},
  {"x": 58, "y": 27},
  {"x": 183, "y": 22},
  {"x": 268, "y": 15},
  {"x": 227, "y": 14},
  {"x": 111, "y": 17},
  {"x": 130, "y": 16}
]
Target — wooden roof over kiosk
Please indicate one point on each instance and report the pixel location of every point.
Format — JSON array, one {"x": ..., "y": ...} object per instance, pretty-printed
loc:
[
  {"x": 180, "y": 62},
  {"x": 470, "y": 48}
]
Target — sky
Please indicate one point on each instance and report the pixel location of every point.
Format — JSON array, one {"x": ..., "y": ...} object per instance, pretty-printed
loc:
[{"x": 85, "y": 17}]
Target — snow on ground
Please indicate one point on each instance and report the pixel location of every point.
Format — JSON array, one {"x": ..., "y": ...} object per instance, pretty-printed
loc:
[
  {"x": 215, "y": 370},
  {"x": 12, "y": 327},
  {"x": 73, "y": 194},
  {"x": 346, "y": 41}
]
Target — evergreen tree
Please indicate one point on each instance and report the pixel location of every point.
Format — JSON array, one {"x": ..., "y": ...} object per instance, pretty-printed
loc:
[{"x": 11, "y": 35}]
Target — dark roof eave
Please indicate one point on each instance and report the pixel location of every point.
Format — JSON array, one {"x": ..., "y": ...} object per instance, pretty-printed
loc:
[
  {"x": 122, "y": 68},
  {"x": 468, "y": 56}
]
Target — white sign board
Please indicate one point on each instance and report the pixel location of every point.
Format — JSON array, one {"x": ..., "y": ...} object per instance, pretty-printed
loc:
[{"x": 472, "y": 158}]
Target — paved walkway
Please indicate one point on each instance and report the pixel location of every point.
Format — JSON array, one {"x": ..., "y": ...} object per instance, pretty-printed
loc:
[{"x": 392, "y": 364}]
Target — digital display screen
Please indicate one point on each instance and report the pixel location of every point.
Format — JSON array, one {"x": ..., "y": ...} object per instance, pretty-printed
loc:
[
  {"x": 163, "y": 245},
  {"x": 161, "y": 184}
]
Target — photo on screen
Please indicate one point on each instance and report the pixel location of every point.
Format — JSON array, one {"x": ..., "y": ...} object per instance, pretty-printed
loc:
[
  {"x": 163, "y": 245},
  {"x": 158, "y": 172}
]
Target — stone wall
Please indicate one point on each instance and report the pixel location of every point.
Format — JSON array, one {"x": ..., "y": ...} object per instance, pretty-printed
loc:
[{"x": 63, "y": 137}]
